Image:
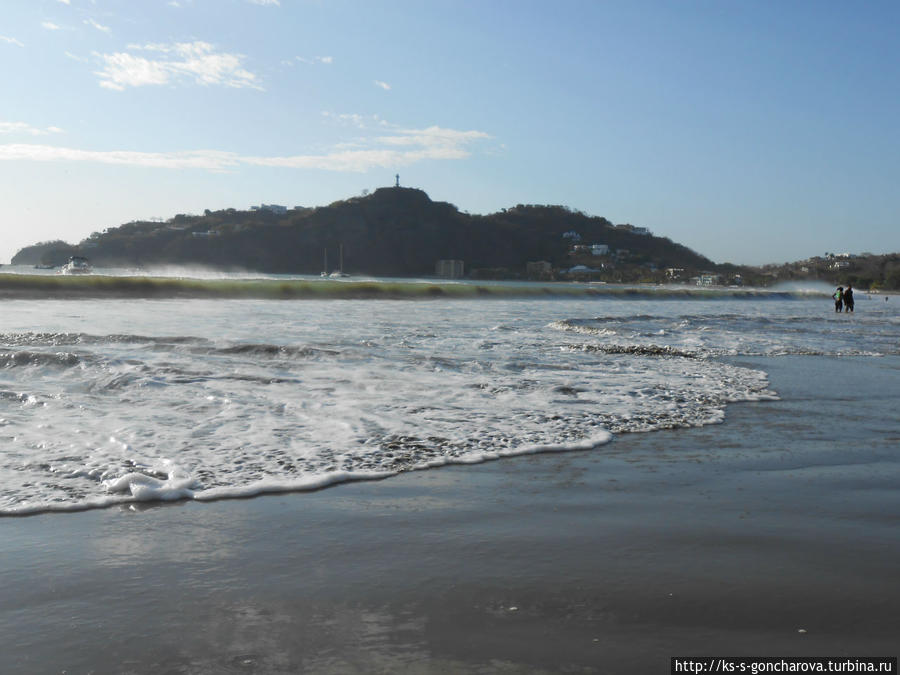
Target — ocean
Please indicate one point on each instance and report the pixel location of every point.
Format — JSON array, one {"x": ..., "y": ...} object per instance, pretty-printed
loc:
[{"x": 163, "y": 389}]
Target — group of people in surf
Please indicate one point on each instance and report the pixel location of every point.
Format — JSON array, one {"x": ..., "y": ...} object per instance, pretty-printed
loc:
[{"x": 843, "y": 299}]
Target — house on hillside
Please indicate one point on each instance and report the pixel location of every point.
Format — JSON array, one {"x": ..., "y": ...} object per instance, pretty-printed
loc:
[
  {"x": 708, "y": 279},
  {"x": 274, "y": 208},
  {"x": 634, "y": 230}
]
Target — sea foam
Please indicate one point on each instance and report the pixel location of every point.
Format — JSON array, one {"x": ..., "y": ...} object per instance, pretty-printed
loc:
[{"x": 191, "y": 399}]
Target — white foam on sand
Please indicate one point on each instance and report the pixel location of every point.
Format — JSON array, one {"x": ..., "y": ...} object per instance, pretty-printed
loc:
[{"x": 137, "y": 487}]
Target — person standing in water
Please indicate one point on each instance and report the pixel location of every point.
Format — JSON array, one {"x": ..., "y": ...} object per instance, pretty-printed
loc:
[
  {"x": 838, "y": 298},
  {"x": 848, "y": 299}
]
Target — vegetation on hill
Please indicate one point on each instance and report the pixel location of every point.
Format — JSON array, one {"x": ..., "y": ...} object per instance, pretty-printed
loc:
[
  {"x": 391, "y": 232},
  {"x": 401, "y": 232},
  {"x": 866, "y": 271}
]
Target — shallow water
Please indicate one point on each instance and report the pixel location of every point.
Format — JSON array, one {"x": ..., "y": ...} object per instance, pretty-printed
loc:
[
  {"x": 724, "y": 539},
  {"x": 106, "y": 401}
]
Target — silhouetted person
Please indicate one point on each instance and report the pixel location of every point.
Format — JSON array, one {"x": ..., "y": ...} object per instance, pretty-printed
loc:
[
  {"x": 838, "y": 298},
  {"x": 848, "y": 299}
]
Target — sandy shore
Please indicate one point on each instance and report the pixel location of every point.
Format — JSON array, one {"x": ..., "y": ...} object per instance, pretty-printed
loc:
[{"x": 772, "y": 534}]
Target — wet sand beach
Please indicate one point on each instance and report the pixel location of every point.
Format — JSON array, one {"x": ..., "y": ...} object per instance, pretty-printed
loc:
[{"x": 772, "y": 534}]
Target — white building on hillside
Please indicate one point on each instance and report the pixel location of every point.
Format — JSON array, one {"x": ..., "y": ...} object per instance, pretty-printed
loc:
[{"x": 274, "y": 208}]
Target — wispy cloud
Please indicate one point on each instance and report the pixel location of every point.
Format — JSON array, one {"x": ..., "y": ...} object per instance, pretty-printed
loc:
[
  {"x": 327, "y": 60},
  {"x": 437, "y": 139},
  {"x": 402, "y": 148},
  {"x": 383, "y": 85},
  {"x": 100, "y": 27},
  {"x": 23, "y": 128},
  {"x": 353, "y": 119},
  {"x": 11, "y": 40},
  {"x": 276, "y": 3},
  {"x": 49, "y": 25},
  {"x": 65, "y": 2},
  {"x": 201, "y": 159},
  {"x": 185, "y": 61}
]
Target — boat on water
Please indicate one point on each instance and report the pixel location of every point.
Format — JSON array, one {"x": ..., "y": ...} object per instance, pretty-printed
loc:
[
  {"x": 339, "y": 272},
  {"x": 77, "y": 265}
]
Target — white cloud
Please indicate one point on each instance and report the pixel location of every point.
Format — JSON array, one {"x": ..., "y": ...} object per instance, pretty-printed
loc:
[
  {"x": 49, "y": 25},
  {"x": 356, "y": 120},
  {"x": 383, "y": 85},
  {"x": 200, "y": 159},
  {"x": 276, "y": 3},
  {"x": 353, "y": 119},
  {"x": 101, "y": 28},
  {"x": 65, "y": 2},
  {"x": 124, "y": 70},
  {"x": 433, "y": 137},
  {"x": 11, "y": 41},
  {"x": 23, "y": 128},
  {"x": 185, "y": 61},
  {"x": 400, "y": 149},
  {"x": 327, "y": 60}
]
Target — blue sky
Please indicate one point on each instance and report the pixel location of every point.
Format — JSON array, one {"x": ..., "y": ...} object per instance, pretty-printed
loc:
[{"x": 753, "y": 132}]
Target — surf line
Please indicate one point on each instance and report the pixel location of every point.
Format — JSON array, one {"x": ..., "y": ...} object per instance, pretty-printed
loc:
[{"x": 36, "y": 287}]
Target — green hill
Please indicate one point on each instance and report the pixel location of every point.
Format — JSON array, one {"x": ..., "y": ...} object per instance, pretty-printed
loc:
[{"x": 391, "y": 232}]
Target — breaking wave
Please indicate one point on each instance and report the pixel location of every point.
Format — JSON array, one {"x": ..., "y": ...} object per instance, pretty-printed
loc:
[{"x": 96, "y": 286}]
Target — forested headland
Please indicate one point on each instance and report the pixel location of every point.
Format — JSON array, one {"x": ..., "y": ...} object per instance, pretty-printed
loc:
[{"x": 401, "y": 232}]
